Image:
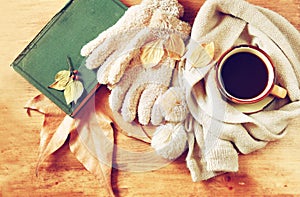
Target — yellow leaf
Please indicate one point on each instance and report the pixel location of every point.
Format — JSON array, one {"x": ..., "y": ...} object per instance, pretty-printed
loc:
[
  {"x": 199, "y": 57},
  {"x": 62, "y": 75},
  {"x": 175, "y": 47},
  {"x": 210, "y": 49},
  {"x": 152, "y": 53},
  {"x": 58, "y": 85},
  {"x": 61, "y": 80},
  {"x": 73, "y": 91}
]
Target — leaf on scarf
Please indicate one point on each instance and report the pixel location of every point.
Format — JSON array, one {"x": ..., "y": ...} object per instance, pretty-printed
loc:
[
  {"x": 93, "y": 142},
  {"x": 175, "y": 47},
  {"x": 152, "y": 53},
  {"x": 61, "y": 80},
  {"x": 73, "y": 91},
  {"x": 210, "y": 49},
  {"x": 56, "y": 126},
  {"x": 200, "y": 56}
]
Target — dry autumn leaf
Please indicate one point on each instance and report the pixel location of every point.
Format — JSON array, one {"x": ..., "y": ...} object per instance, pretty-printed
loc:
[
  {"x": 199, "y": 57},
  {"x": 62, "y": 75},
  {"x": 152, "y": 53},
  {"x": 175, "y": 47},
  {"x": 67, "y": 81},
  {"x": 73, "y": 91},
  {"x": 61, "y": 80},
  {"x": 93, "y": 141},
  {"x": 56, "y": 126},
  {"x": 210, "y": 49},
  {"x": 94, "y": 150}
]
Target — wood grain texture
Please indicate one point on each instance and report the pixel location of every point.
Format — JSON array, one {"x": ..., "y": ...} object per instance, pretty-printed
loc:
[{"x": 273, "y": 170}]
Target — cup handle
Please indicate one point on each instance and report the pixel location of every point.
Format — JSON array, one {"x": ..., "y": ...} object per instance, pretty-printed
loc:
[{"x": 278, "y": 91}]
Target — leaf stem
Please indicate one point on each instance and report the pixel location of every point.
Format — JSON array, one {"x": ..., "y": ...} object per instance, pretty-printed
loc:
[{"x": 71, "y": 68}]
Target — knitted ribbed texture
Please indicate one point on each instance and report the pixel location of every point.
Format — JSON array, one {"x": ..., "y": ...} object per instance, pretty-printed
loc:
[{"x": 222, "y": 130}]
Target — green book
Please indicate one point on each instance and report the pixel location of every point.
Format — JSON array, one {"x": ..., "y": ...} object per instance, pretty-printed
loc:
[{"x": 76, "y": 24}]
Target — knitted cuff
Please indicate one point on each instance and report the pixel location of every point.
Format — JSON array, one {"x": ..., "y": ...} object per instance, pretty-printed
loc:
[
  {"x": 198, "y": 170},
  {"x": 222, "y": 159}
]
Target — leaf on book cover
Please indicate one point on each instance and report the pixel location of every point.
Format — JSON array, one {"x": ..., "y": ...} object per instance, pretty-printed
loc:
[
  {"x": 56, "y": 126},
  {"x": 67, "y": 81},
  {"x": 152, "y": 53},
  {"x": 93, "y": 141},
  {"x": 201, "y": 56},
  {"x": 175, "y": 47},
  {"x": 62, "y": 78},
  {"x": 73, "y": 91}
]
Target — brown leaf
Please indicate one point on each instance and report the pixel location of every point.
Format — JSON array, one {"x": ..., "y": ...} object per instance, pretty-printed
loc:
[
  {"x": 56, "y": 126},
  {"x": 56, "y": 140},
  {"x": 93, "y": 143}
]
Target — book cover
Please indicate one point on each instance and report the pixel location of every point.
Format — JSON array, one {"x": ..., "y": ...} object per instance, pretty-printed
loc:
[{"x": 62, "y": 38}]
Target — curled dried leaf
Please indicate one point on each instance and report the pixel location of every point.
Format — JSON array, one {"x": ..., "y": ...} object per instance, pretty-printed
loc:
[
  {"x": 175, "y": 47},
  {"x": 152, "y": 53},
  {"x": 73, "y": 91}
]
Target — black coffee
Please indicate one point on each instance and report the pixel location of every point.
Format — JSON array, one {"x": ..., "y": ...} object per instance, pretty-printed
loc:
[{"x": 244, "y": 75}]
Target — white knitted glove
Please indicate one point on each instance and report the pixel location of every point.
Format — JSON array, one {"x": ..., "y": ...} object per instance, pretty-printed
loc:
[
  {"x": 111, "y": 49},
  {"x": 138, "y": 90},
  {"x": 150, "y": 71}
]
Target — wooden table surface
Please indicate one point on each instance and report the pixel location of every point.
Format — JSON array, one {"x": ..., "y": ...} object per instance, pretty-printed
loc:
[{"x": 273, "y": 170}]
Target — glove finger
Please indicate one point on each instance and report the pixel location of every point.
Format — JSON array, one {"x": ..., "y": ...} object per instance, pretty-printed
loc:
[
  {"x": 118, "y": 67},
  {"x": 146, "y": 102},
  {"x": 90, "y": 46},
  {"x": 99, "y": 55},
  {"x": 131, "y": 100},
  {"x": 119, "y": 91},
  {"x": 103, "y": 71},
  {"x": 131, "y": 50}
]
